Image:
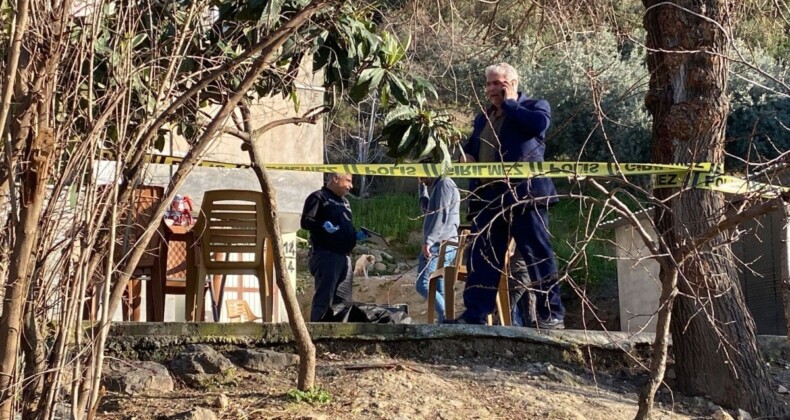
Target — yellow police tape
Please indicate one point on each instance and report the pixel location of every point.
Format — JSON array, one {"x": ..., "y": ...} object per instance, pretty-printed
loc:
[
  {"x": 724, "y": 183},
  {"x": 698, "y": 175}
]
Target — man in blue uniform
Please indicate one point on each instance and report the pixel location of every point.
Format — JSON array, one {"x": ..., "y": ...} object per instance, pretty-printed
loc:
[
  {"x": 327, "y": 215},
  {"x": 512, "y": 129}
]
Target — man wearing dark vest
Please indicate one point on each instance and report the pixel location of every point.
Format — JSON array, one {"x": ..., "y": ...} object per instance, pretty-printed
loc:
[
  {"x": 512, "y": 129},
  {"x": 327, "y": 215}
]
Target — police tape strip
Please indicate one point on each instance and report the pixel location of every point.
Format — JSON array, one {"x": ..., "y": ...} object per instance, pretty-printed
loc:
[
  {"x": 724, "y": 183},
  {"x": 501, "y": 170},
  {"x": 699, "y": 175},
  {"x": 474, "y": 170}
]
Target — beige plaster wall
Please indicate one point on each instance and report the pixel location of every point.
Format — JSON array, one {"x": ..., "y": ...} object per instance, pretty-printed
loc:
[
  {"x": 637, "y": 280},
  {"x": 289, "y": 143}
]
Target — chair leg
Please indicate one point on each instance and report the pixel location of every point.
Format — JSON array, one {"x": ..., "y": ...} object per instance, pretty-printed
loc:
[
  {"x": 267, "y": 298},
  {"x": 195, "y": 295},
  {"x": 450, "y": 277},
  {"x": 433, "y": 284},
  {"x": 155, "y": 306},
  {"x": 272, "y": 290},
  {"x": 133, "y": 289},
  {"x": 503, "y": 301}
]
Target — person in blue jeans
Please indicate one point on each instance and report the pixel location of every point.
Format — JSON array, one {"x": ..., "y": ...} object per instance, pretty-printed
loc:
[{"x": 440, "y": 203}]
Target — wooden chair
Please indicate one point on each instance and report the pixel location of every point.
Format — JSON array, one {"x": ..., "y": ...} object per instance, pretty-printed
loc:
[
  {"x": 144, "y": 200},
  {"x": 175, "y": 255},
  {"x": 238, "y": 309},
  {"x": 230, "y": 223},
  {"x": 457, "y": 271}
]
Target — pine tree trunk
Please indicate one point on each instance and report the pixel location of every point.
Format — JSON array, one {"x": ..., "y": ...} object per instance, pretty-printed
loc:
[{"x": 714, "y": 340}]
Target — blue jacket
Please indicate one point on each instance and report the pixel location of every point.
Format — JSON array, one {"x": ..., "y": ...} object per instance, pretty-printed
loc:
[{"x": 522, "y": 139}]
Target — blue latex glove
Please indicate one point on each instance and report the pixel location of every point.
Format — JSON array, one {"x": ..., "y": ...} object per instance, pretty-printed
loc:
[
  {"x": 362, "y": 236},
  {"x": 329, "y": 227}
]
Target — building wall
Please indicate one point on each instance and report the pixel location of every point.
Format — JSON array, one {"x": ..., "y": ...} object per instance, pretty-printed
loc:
[
  {"x": 758, "y": 259},
  {"x": 758, "y": 252},
  {"x": 637, "y": 280}
]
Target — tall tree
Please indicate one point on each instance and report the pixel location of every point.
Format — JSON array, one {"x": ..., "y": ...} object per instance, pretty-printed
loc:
[{"x": 714, "y": 338}]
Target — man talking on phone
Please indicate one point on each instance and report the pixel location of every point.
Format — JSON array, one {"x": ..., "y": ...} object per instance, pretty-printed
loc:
[{"x": 512, "y": 129}]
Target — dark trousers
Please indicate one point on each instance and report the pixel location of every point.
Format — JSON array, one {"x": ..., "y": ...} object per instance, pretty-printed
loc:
[
  {"x": 522, "y": 296},
  {"x": 493, "y": 227},
  {"x": 333, "y": 281}
]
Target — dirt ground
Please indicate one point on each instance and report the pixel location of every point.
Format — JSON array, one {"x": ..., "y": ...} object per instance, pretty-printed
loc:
[
  {"x": 365, "y": 386},
  {"x": 489, "y": 379}
]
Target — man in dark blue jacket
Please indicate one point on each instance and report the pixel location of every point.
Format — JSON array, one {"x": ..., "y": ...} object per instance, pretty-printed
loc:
[
  {"x": 513, "y": 129},
  {"x": 327, "y": 215}
]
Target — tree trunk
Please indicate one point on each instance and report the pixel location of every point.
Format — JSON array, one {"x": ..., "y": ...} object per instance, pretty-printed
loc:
[
  {"x": 714, "y": 340},
  {"x": 11, "y": 322},
  {"x": 304, "y": 344}
]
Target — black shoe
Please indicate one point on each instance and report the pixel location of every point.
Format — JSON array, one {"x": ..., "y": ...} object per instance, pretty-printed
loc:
[{"x": 549, "y": 324}]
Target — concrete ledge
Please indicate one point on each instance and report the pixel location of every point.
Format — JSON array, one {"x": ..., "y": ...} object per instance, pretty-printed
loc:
[
  {"x": 159, "y": 335},
  {"x": 164, "y": 334}
]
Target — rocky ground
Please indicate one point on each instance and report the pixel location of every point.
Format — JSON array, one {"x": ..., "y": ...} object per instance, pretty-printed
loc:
[
  {"x": 482, "y": 378},
  {"x": 438, "y": 378}
]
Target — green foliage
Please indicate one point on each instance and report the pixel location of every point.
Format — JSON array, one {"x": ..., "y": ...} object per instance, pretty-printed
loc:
[
  {"x": 150, "y": 56},
  {"x": 569, "y": 229},
  {"x": 587, "y": 78},
  {"x": 415, "y": 131},
  {"x": 757, "y": 127},
  {"x": 311, "y": 396},
  {"x": 396, "y": 216}
]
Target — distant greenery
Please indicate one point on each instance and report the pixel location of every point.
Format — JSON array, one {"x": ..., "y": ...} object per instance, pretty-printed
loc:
[{"x": 396, "y": 216}]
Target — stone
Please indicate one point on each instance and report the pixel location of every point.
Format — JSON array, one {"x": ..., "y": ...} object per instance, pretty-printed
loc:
[
  {"x": 200, "y": 365},
  {"x": 720, "y": 414},
  {"x": 671, "y": 374},
  {"x": 380, "y": 267},
  {"x": 267, "y": 360},
  {"x": 743, "y": 415},
  {"x": 563, "y": 376},
  {"x": 198, "y": 413},
  {"x": 222, "y": 402},
  {"x": 136, "y": 377},
  {"x": 361, "y": 249},
  {"x": 508, "y": 353},
  {"x": 387, "y": 257},
  {"x": 404, "y": 267},
  {"x": 782, "y": 390}
]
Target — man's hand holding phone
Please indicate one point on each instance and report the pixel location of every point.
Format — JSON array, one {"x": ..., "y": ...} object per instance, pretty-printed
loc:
[{"x": 508, "y": 91}]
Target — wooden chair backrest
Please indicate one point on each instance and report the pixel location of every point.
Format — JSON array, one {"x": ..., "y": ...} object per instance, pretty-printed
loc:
[
  {"x": 145, "y": 198},
  {"x": 460, "y": 253},
  {"x": 231, "y": 222},
  {"x": 238, "y": 308}
]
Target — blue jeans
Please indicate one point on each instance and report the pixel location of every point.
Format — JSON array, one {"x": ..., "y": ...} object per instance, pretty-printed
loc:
[{"x": 424, "y": 270}]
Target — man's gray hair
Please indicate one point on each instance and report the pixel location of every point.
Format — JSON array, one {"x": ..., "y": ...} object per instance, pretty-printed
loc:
[
  {"x": 504, "y": 69},
  {"x": 331, "y": 176}
]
